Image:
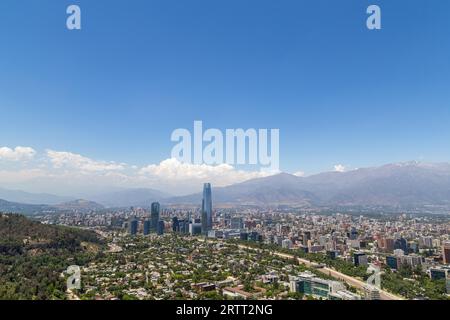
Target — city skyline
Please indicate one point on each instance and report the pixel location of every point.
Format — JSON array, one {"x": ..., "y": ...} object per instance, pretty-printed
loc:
[
  {"x": 225, "y": 158},
  {"x": 100, "y": 100}
]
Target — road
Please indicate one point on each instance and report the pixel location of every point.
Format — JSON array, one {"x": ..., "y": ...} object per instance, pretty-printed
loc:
[{"x": 356, "y": 283}]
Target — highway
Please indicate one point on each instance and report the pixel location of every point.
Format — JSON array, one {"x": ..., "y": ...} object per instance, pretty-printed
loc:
[{"x": 356, "y": 283}]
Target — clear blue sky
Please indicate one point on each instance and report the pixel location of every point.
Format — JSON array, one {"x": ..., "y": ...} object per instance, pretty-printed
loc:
[{"x": 139, "y": 69}]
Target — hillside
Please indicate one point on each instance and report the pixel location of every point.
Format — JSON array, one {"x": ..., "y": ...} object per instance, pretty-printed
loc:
[
  {"x": 79, "y": 205},
  {"x": 22, "y": 208},
  {"x": 33, "y": 255}
]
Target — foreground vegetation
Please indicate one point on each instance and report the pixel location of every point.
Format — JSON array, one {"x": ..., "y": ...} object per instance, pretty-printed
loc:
[{"x": 33, "y": 257}]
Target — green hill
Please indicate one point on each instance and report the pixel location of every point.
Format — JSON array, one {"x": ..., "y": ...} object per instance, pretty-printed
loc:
[{"x": 33, "y": 256}]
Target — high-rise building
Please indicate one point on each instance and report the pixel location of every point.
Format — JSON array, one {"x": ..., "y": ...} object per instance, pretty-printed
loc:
[
  {"x": 236, "y": 223},
  {"x": 160, "y": 228},
  {"x": 446, "y": 252},
  {"x": 392, "y": 262},
  {"x": 147, "y": 227},
  {"x": 306, "y": 236},
  {"x": 154, "y": 216},
  {"x": 195, "y": 228},
  {"x": 360, "y": 259},
  {"x": 206, "y": 208},
  {"x": 175, "y": 224},
  {"x": 401, "y": 244},
  {"x": 133, "y": 227},
  {"x": 389, "y": 244},
  {"x": 184, "y": 226}
]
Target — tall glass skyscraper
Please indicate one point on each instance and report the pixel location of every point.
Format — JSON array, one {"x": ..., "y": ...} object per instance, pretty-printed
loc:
[
  {"x": 133, "y": 226},
  {"x": 147, "y": 227},
  {"x": 154, "y": 217},
  {"x": 206, "y": 208}
]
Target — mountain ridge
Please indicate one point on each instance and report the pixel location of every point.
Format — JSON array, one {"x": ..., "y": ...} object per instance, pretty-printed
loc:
[{"x": 404, "y": 184}]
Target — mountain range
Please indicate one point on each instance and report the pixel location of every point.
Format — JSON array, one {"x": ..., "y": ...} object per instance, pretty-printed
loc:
[
  {"x": 409, "y": 184},
  {"x": 142, "y": 197},
  {"x": 32, "y": 198},
  {"x": 399, "y": 185}
]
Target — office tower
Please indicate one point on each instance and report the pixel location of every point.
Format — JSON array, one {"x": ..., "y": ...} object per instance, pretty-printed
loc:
[
  {"x": 195, "y": 228},
  {"x": 160, "y": 228},
  {"x": 236, "y": 223},
  {"x": 175, "y": 224},
  {"x": 392, "y": 262},
  {"x": 401, "y": 244},
  {"x": 360, "y": 259},
  {"x": 154, "y": 216},
  {"x": 184, "y": 226},
  {"x": 133, "y": 227},
  {"x": 147, "y": 227},
  {"x": 206, "y": 208},
  {"x": 446, "y": 252}
]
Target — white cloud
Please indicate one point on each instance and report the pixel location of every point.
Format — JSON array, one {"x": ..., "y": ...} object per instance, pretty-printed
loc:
[
  {"x": 17, "y": 154},
  {"x": 75, "y": 161},
  {"x": 339, "y": 168},
  {"x": 70, "y": 173},
  {"x": 221, "y": 175},
  {"x": 299, "y": 174}
]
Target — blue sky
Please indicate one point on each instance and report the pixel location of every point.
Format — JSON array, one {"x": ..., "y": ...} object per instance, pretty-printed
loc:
[{"x": 339, "y": 93}]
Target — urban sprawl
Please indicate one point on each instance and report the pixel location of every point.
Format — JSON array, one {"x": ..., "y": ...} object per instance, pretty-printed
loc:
[{"x": 263, "y": 253}]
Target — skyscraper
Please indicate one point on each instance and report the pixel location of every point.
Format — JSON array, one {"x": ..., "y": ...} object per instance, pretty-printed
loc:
[
  {"x": 175, "y": 224},
  {"x": 160, "y": 228},
  {"x": 133, "y": 227},
  {"x": 147, "y": 225},
  {"x": 206, "y": 208},
  {"x": 154, "y": 217}
]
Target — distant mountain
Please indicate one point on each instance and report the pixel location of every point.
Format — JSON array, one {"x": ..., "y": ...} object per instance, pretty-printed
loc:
[
  {"x": 31, "y": 198},
  {"x": 33, "y": 209},
  {"x": 407, "y": 184},
  {"x": 27, "y": 209},
  {"x": 79, "y": 205},
  {"x": 278, "y": 189},
  {"x": 142, "y": 197}
]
